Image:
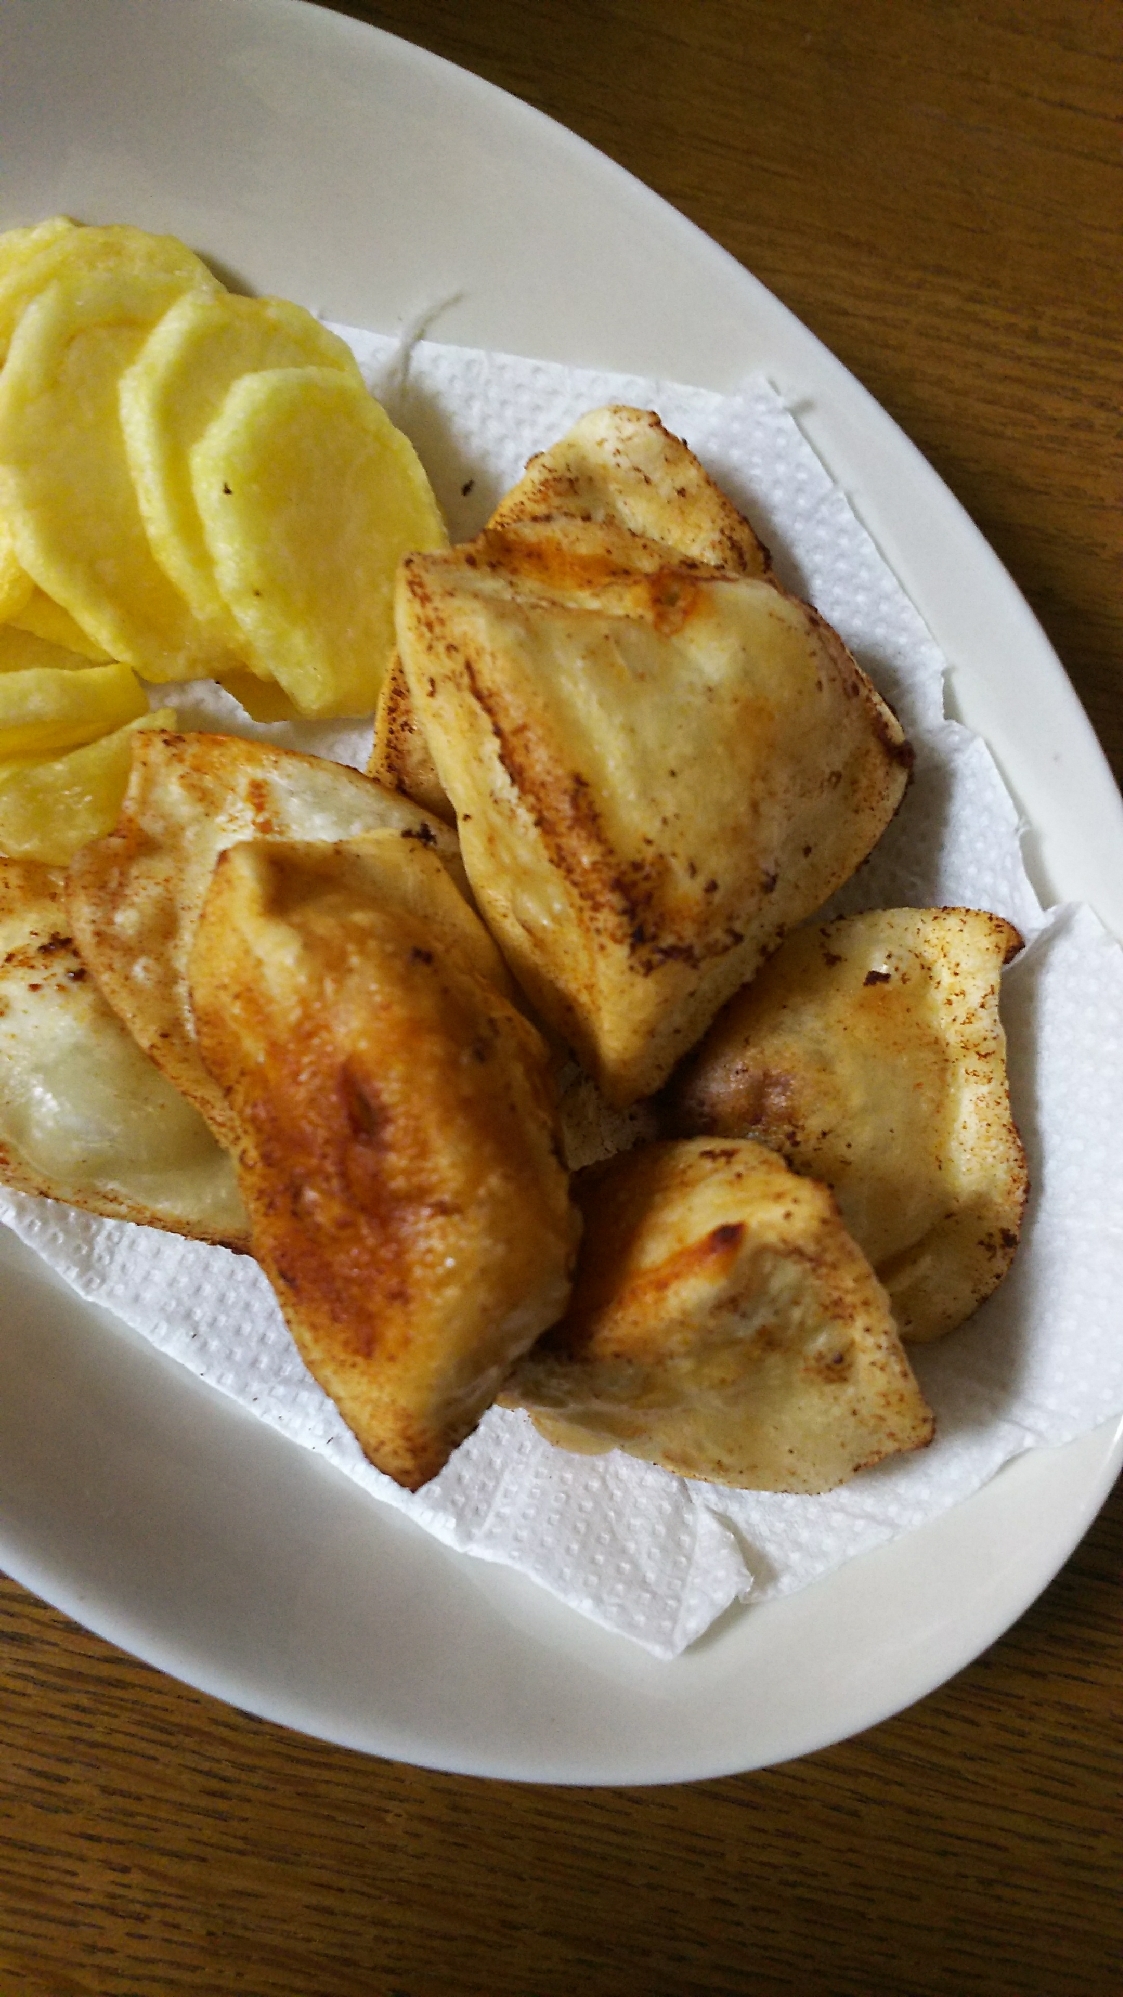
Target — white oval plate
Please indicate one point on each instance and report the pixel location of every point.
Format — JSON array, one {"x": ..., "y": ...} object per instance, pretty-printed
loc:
[{"x": 315, "y": 157}]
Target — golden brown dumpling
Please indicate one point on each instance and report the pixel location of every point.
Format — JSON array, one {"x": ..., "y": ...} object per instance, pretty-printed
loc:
[
  {"x": 85, "y": 1117},
  {"x": 136, "y": 895},
  {"x": 621, "y": 468},
  {"x": 617, "y": 466},
  {"x": 397, "y": 1149},
  {"x": 870, "y": 1054},
  {"x": 724, "y": 1325},
  {"x": 656, "y": 768}
]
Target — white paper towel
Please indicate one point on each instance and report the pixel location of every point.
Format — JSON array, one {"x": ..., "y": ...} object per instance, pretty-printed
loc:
[{"x": 642, "y": 1552}]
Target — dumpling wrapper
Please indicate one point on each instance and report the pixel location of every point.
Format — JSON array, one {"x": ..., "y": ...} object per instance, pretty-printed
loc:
[
  {"x": 870, "y": 1054},
  {"x": 398, "y": 1149},
  {"x": 724, "y": 1325},
  {"x": 85, "y": 1117},
  {"x": 617, "y": 466},
  {"x": 135, "y": 896},
  {"x": 657, "y": 769}
]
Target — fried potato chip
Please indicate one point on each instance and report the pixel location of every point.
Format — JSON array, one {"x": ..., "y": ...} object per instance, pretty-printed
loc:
[
  {"x": 16, "y": 585},
  {"x": 869, "y": 1052},
  {"x": 84, "y": 1116},
  {"x": 65, "y": 485},
  {"x": 17, "y": 245},
  {"x": 398, "y": 1154},
  {"x": 173, "y": 391},
  {"x": 135, "y": 897},
  {"x": 47, "y": 709},
  {"x": 308, "y": 497},
  {"x": 723, "y": 1324},
  {"x": 44, "y": 618},
  {"x": 656, "y": 770},
  {"x": 619, "y": 467},
  {"x": 50, "y": 809},
  {"x": 61, "y": 250},
  {"x": 263, "y": 700},
  {"x": 21, "y": 650}
]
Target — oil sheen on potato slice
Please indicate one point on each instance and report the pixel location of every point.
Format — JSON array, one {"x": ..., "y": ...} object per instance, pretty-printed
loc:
[
  {"x": 135, "y": 896},
  {"x": 65, "y": 485},
  {"x": 656, "y": 768},
  {"x": 869, "y": 1052},
  {"x": 398, "y": 1148},
  {"x": 723, "y": 1324},
  {"x": 84, "y": 1116},
  {"x": 172, "y": 393},
  {"x": 617, "y": 466},
  {"x": 308, "y": 497},
  {"x": 45, "y": 710},
  {"x": 51, "y": 808}
]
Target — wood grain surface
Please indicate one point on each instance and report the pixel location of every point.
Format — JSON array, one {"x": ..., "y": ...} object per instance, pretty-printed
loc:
[{"x": 936, "y": 189}]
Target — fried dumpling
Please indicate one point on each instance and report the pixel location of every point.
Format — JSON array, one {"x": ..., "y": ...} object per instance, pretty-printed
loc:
[
  {"x": 724, "y": 1325},
  {"x": 400, "y": 758},
  {"x": 621, "y": 468},
  {"x": 398, "y": 1150},
  {"x": 135, "y": 896},
  {"x": 85, "y": 1117},
  {"x": 617, "y": 466},
  {"x": 657, "y": 769},
  {"x": 870, "y": 1054}
]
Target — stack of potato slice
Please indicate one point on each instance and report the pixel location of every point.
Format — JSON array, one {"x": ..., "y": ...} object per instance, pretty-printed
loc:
[{"x": 192, "y": 484}]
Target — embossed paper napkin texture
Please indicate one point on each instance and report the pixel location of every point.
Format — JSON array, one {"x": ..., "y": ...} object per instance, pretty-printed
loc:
[{"x": 642, "y": 1552}]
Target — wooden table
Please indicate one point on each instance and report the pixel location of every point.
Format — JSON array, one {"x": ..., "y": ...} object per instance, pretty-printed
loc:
[{"x": 935, "y": 188}]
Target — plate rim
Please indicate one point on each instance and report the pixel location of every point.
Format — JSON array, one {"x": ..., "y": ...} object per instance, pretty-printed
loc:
[{"x": 822, "y": 374}]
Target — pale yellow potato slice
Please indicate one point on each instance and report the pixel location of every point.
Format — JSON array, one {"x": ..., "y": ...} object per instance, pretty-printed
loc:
[
  {"x": 657, "y": 769},
  {"x": 50, "y": 809},
  {"x": 136, "y": 896},
  {"x": 17, "y": 245},
  {"x": 44, "y": 618},
  {"x": 172, "y": 393},
  {"x": 62, "y": 250},
  {"x": 45, "y": 710},
  {"x": 21, "y": 650},
  {"x": 308, "y": 497},
  {"x": 16, "y": 585},
  {"x": 85, "y": 1117},
  {"x": 724, "y": 1325},
  {"x": 64, "y": 477},
  {"x": 398, "y": 1151},
  {"x": 869, "y": 1052}
]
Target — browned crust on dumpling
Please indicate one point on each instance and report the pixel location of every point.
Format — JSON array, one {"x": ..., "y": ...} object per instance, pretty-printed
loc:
[
  {"x": 657, "y": 769},
  {"x": 398, "y": 1152},
  {"x": 869, "y": 1053},
  {"x": 724, "y": 1325}
]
